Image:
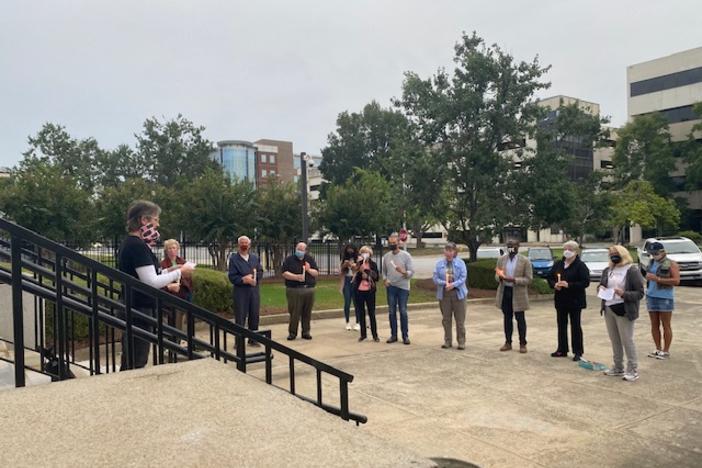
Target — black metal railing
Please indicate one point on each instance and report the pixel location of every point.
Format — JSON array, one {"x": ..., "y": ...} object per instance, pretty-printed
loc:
[{"x": 71, "y": 291}]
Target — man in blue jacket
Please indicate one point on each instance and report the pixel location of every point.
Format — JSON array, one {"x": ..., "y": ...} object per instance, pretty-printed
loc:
[
  {"x": 245, "y": 272},
  {"x": 450, "y": 277}
]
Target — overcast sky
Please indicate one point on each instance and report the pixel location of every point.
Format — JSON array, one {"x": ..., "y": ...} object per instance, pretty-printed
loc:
[{"x": 285, "y": 69}]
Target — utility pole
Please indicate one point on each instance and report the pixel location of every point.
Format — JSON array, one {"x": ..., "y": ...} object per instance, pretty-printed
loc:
[{"x": 303, "y": 187}]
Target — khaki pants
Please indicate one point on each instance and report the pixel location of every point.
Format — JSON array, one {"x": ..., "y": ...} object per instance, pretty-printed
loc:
[
  {"x": 453, "y": 308},
  {"x": 300, "y": 302}
]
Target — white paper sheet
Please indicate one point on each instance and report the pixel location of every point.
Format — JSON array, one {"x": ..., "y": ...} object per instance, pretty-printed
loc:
[
  {"x": 606, "y": 293},
  {"x": 190, "y": 264}
]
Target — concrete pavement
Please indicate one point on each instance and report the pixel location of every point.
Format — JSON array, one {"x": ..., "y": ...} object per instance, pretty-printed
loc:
[{"x": 511, "y": 409}]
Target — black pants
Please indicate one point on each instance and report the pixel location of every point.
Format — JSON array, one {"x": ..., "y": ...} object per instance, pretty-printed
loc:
[
  {"x": 576, "y": 331},
  {"x": 508, "y": 313},
  {"x": 366, "y": 300},
  {"x": 141, "y": 348},
  {"x": 247, "y": 303}
]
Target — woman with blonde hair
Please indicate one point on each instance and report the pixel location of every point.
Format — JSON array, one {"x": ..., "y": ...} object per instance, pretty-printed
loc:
[
  {"x": 364, "y": 287},
  {"x": 621, "y": 290}
]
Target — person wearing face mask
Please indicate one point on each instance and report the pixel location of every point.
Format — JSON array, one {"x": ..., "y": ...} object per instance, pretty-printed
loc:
[
  {"x": 397, "y": 271},
  {"x": 450, "y": 277},
  {"x": 662, "y": 276},
  {"x": 348, "y": 265},
  {"x": 364, "y": 286},
  {"x": 570, "y": 277},
  {"x": 182, "y": 288},
  {"x": 621, "y": 290},
  {"x": 245, "y": 273},
  {"x": 300, "y": 272},
  {"x": 514, "y": 275},
  {"x": 138, "y": 260}
]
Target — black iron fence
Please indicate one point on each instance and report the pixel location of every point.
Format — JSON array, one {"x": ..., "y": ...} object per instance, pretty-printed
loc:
[
  {"x": 66, "y": 285},
  {"x": 326, "y": 254}
]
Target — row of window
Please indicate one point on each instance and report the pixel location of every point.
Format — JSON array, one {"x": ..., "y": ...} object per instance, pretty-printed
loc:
[
  {"x": 661, "y": 83},
  {"x": 679, "y": 114},
  {"x": 270, "y": 158}
]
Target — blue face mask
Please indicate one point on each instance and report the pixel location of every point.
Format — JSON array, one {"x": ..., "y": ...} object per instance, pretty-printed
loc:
[{"x": 300, "y": 254}]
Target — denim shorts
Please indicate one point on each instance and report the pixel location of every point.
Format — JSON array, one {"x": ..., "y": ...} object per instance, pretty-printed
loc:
[{"x": 659, "y": 304}]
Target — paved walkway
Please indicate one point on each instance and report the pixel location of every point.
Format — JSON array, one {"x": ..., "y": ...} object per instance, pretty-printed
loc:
[{"x": 509, "y": 409}]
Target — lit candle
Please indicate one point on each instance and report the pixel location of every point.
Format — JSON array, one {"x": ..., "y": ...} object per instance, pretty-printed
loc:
[{"x": 558, "y": 275}]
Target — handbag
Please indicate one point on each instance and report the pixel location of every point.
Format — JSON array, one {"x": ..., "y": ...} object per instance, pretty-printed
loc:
[{"x": 618, "y": 309}]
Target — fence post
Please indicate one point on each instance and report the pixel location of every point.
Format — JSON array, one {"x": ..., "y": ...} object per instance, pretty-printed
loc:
[{"x": 17, "y": 310}]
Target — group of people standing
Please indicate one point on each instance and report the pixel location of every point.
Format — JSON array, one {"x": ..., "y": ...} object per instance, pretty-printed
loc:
[{"x": 621, "y": 289}]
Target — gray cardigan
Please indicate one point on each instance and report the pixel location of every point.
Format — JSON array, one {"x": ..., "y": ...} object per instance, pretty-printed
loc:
[{"x": 633, "y": 291}]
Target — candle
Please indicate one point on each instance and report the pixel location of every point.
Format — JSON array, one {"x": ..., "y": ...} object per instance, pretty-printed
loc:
[
  {"x": 447, "y": 277},
  {"x": 558, "y": 275}
]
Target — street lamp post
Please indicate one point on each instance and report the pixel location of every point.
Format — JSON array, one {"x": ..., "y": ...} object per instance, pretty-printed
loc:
[{"x": 303, "y": 187}]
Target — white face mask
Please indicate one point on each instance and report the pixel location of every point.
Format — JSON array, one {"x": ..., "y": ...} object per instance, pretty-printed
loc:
[
  {"x": 365, "y": 255},
  {"x": 568, "y": 254}
]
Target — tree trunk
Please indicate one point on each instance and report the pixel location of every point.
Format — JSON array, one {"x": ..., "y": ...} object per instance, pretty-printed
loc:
[{"x": 473, "y": 245}]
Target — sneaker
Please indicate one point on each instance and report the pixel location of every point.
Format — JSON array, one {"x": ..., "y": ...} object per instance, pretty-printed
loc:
[
  {"x": 348, "y": 326},
  {"x": 445, "y": 346},
  {"x": 631, "y": 376},
  {"x": 461, "y": 347},
  {"x": 654, "y": 354},
  {"x": 357, "y": 327},
  {"x": 663, "y": 356},
  {"x": 614, "y": 373},
  {"x": 392, "y": 339}
]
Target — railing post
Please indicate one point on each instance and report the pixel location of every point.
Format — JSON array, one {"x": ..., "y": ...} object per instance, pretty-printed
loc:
[
  {"x": 344, "y": 400},
  {"x": 128, "y": 342},
  {"x": 159, "y": 331},
  {"x": 60, "y": 318},
  {"x": 94, "y": 324},
  {"x": 240, "y": 342},
  {"x": 17, "y": 310},
  {"x": 191, "y": 333}
]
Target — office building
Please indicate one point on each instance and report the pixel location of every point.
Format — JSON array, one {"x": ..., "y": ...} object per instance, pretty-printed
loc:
[
  {"x": 671, "y": 85},
  {"x": 274, "y": 159},
  {"x": 237, "y": 158}
]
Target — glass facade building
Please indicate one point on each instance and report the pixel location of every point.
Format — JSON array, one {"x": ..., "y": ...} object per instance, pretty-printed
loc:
[{"x": 237, "y": 158}]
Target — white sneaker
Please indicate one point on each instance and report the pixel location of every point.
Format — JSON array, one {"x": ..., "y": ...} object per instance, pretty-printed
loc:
[
  {"x": 348, "y": 326},
  {"x": 357, "y": 327},
  {"x": 662, "y": 355},
  {"x": 614, "y": 373},
  {"x": 654, "y": 354},
  {"x": 631, "y": 376}
]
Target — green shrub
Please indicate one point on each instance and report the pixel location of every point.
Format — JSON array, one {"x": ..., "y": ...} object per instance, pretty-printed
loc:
[
  {"x": 694, "y": 236},
  {"x": 212, "y": 290},
  {"x": 541, "y": 286},
  {"x": 481, "y": 274}
]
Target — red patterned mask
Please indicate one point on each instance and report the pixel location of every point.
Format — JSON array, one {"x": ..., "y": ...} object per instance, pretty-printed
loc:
[{"x": 150, "y": 234}]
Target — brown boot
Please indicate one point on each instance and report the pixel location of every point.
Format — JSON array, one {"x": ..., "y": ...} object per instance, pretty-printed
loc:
[
  {"x": 522, "y": 349},
  {"x": 506, "y": 347}
]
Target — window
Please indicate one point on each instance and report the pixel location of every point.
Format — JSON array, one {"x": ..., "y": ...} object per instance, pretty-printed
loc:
[
  {"x": 606, "y": 165},
  {"x": 678, "y": 114},
  {"x": 661, "y": 83},
  {"x": 272, "y": 172},
  {"x": 272, "y": 158},
  {"x": 264, "y": 158},
  {"x": 264, "y": 173}
]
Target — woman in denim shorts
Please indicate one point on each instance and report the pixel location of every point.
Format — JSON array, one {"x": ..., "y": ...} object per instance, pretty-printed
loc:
[{"x": 661, "y": 277}]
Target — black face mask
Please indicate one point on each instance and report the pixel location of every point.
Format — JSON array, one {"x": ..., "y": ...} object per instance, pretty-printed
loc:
[
  {"x": 393, "y": 246},
  {"x": 616, "y": 259}
]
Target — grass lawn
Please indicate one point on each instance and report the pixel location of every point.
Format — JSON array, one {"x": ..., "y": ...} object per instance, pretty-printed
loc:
[{"x": 327, "y": 295}]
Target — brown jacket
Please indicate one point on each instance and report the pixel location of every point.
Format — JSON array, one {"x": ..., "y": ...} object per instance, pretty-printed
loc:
[{"x": 523, "y": 276}]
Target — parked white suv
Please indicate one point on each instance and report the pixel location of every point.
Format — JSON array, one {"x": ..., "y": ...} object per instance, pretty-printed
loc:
[{"x": 679, "y": 249}]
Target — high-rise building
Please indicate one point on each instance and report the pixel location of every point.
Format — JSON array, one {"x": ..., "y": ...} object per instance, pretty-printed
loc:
[
  {"x": 671, "y": 85},
  {"x": 237, "y": 158}
]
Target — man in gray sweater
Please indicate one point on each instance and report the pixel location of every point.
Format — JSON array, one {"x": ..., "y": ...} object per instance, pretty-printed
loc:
[{"x": 397, "y": 271}]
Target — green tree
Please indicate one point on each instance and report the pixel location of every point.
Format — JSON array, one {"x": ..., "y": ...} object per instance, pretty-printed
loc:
[
  {"x": 592, "y": 210},
  {"x": 469, "y": 117},
  {"x": 361, "y": 206},
  {"x": 117, "y": 166},
  {"x": 174, "y": 150},
  {"x": 362, "y": 140},
  {"x": 217, "y": 211},
  {"x": 280, "y": 218},
  {"x": 48, "y": 202},
  {"x": 644, "y": 152},
  {"x": 73, "y": 158},
  {"x": 638, "y": 203},
  {"x": 692, "y": 150}
]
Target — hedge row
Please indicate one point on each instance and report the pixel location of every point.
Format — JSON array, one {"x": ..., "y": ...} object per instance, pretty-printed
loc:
[{"x": 482, "y": 276}]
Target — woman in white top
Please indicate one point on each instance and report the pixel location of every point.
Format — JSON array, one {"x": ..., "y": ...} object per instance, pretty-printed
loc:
[{"x": 621, "y": 289}]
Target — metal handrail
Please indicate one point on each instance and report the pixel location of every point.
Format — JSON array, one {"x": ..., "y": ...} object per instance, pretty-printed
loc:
[{"x": 52, "y": 280}]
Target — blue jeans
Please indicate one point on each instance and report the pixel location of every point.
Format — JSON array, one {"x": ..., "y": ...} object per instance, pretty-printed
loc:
[
  {"x": 348, "y": 298},
  {"x": 398, "y": 297}
]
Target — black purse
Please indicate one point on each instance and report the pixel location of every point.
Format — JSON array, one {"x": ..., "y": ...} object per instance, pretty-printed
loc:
[{"x": 618, "y": 309}]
